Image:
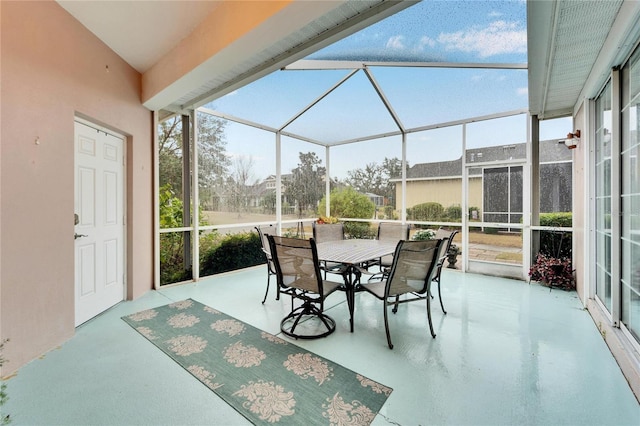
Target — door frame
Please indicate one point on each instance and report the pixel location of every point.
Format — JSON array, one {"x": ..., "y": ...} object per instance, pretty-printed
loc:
[
  {"x": 516, "y": 271},
  {"x": 120, "y": 135}
]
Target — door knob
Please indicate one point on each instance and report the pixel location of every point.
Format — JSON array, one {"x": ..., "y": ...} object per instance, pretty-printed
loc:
[{"x": 76, "y": 236}]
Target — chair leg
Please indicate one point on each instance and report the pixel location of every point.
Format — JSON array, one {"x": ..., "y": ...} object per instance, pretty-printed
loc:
[
  {"x": 267, "y": 292},
  {"x": 305, "y": 310},
  {"x": 386, "y": 324},
  {"x": 433, "y": 334},
  {"x": 395, "y": 305},
  {"x": 440, "y": 297}
]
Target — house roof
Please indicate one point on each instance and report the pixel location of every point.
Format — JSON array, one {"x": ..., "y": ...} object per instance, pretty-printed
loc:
[{"x": 551, "y": 151}]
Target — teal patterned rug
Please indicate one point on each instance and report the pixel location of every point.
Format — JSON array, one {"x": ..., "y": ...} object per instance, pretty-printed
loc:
[{"x": 266, "y": 379}]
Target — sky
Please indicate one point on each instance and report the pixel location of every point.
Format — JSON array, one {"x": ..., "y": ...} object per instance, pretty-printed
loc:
[{"x": 445, "y": 31}]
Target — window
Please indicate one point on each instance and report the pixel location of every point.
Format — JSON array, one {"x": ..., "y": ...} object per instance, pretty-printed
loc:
[
  {"x": 630, "y": 197},
  {"x": 603, "y": 197}
]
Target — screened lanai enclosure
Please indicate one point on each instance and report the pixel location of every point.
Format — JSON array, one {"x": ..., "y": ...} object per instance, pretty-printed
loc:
[{"x": 375, "y": 127}]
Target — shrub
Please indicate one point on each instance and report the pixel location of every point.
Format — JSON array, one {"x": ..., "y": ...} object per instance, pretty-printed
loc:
[
  {"x": 358, "y": 230},
  {"x": 453, "y": 213},
  {"x": 564, "y": 219},
  {"x": 390, "y": 213},
  {"x": 430, "y": 211},
  {"x": 424, "y": 234},
  {"x": 235, "y": 251},
  {"x": 347, "y": 202},
  {"x": 553, "y": 272},
  {"x": 556, "y": 243}
]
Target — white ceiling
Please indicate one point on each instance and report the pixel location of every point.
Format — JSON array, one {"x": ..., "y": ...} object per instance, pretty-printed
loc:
[{"x": 142, "y": 31}]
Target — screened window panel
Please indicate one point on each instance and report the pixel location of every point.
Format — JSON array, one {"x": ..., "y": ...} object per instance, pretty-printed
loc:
[
  {"x": 353, "y": 110},
  {"x": 422, "y": 96},
  {"x": 278, "y": 97},
  {"x": 493, "y": 244},
  {"x": 303, "y": 179},
  {"x": 434, "y": 176},
  {"x": 555, "y": 187},
  {"x": 496, "y": 192},
  {"x": 515, "y": 191},
  {"x": 498, "y": 139},
  {"x": 236, "y": 174},
  {"x": 426, "y": 32},
  {"x": 373, "y": 169},
  {"x": 171, "y": 174},
  {"x": 175, "y": 257}
]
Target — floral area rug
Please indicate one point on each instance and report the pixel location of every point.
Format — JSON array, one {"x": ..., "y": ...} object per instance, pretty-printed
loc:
[{"x": 266, "y": 379}]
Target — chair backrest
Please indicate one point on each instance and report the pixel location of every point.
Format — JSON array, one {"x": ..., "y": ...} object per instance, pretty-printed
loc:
[
  {"x": 296, "y": 263},
  {"x": 447, "y": 236},
  {"x": 393, "y": 231},
  {"x": 265, "y": 242},
  {"x": 323, "y": 232},
  {"x": 414, "y": 263}
]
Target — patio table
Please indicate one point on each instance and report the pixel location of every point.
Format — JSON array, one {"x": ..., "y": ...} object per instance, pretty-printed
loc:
[{"x": 352, "y": 253}]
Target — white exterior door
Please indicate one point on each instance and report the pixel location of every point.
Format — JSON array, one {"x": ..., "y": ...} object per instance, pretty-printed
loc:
[{"x": 99, "y": 229}]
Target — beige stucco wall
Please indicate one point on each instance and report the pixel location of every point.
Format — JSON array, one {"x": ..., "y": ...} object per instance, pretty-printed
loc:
[
  {"x": 447, "y": 192},
  {"x": 52, "y": 68}
]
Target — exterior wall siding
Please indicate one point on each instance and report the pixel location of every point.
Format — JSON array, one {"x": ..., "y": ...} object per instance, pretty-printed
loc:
[{"x": 447, "y": 192}]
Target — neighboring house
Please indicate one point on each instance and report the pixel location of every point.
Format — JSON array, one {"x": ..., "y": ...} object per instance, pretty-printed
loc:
[
  {"x": 495, "y": 184},
  {"x": 378, "y": 200},
  {"x": 270, "y": 186}
]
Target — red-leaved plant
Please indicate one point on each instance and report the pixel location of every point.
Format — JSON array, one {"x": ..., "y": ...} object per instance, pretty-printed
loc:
[{"x": 553, "y": 272}]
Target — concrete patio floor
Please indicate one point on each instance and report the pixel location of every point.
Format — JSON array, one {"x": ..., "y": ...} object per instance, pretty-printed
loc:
[{"x": 507, "y": 353}]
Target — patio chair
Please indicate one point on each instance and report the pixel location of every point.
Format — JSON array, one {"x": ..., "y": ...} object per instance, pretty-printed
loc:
[
  {"x": 323, "y": 233},
  {"x": 411, "y": 274},
  {"x": 391, "y": 231},
  {"x": 298, "y": 274},
  {"x": 271, "y": 269},
  {"x": 447, "y": 238}
]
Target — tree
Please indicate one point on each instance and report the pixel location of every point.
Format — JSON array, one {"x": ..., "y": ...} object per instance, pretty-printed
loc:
[
  {"x": 375, "y": 178},
  {"x": 175, "y": 259},
  {"x": 242, "y": 184},
  {"x": 306, "y": 186},
  {"x": 369, "y": 179},
  {"x": 170, "y": 154},
  {"x": 213, "y": 161},
  {"x": 346, "y": 202},
  {"x": 268, "y": 202}
]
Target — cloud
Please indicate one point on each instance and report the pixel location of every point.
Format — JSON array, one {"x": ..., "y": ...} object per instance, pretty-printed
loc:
[
  {"x": 396, "y": 42},
  {"x": 522, "y": 91},
  {"x": 426, "y": 41},
  {"x": 499, "y": 37}
]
